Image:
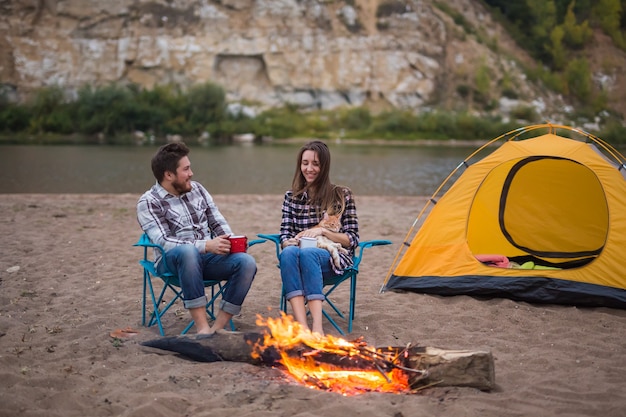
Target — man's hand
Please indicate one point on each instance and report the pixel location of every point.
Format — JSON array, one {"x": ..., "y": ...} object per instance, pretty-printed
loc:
[{"x": 219, "y": 245}]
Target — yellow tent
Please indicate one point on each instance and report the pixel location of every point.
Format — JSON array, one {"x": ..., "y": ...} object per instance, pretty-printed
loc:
[{"x": 542, "y": 218}]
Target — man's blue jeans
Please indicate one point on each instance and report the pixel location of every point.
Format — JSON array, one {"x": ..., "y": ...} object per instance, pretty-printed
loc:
[
  {"x": 303, "y": 271},
  {"x": 239, "y": 269}
]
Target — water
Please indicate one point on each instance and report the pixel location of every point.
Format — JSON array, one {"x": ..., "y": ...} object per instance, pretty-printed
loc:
[{"x": 227, "y": 169}]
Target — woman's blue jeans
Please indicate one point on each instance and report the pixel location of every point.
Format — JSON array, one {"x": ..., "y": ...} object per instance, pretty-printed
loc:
[
  {"x": 191, "y": 267},
  {"x": 303, "y": 271}
]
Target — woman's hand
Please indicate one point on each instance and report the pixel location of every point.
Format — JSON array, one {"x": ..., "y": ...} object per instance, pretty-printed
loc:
[
  {"x": 290, "y": 242},
  {"x": 312, "y": 232}
]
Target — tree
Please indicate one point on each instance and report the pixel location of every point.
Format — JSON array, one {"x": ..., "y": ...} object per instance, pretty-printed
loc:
[
  {"x": 556, "y": 49},
  {"x": 575, "y": 35},
  {"x": 578, "y": 78},
  {"x": 608, "y": 13},
  {"x": 544, "y": 21}
]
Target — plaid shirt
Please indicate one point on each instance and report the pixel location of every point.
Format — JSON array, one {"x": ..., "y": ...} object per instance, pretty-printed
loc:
[
  {"x": 191, "y": 218},
  {"x": 299, "y": 216}
]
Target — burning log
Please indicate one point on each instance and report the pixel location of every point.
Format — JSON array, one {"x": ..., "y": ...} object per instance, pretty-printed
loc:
[{"x": 392, "y": 369}]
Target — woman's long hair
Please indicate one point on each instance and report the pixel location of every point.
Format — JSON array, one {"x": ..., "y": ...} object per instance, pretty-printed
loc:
[{"x": 328, "y": 197}]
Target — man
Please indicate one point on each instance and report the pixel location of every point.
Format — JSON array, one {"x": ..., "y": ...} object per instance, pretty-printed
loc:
[{"x": 180, "y": 215}]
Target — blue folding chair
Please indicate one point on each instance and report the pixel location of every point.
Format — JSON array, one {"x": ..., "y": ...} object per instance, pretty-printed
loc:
[
  {"x": 331, "y": 284},
  {"x": 171, "y": 282}
]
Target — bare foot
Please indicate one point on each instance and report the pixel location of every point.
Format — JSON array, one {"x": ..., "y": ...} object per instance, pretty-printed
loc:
[
  {"x": 206, "y": 330},
  {"x": 318, "y": 329}
]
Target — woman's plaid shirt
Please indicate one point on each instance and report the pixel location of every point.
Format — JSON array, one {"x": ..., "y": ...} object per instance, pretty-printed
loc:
[{"x": 298, "y": 215}]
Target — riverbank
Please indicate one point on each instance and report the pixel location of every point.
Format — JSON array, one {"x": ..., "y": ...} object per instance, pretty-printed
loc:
[{"x": 69, "y": 277}]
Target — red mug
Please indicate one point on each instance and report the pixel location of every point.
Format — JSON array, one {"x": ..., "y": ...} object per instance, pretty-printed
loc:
[{"x": 238, "y": 244}]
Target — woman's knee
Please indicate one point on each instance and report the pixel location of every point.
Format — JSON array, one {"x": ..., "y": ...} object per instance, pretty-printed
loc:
[
  {"x": 290, "y": 251},
  {"x": 289, "y": 254}
]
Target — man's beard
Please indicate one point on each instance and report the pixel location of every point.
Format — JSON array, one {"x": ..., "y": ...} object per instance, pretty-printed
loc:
[{"x": 182, "y": 187}]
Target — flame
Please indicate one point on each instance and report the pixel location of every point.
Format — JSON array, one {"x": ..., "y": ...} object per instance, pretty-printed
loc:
[{"x": 352, "y": 367}]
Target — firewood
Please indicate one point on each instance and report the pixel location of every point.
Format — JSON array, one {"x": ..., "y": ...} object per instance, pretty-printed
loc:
[
  {"x": 221, "y": 346},
  {"x": 444, "y": 367},
  {"x": 431, "y": 366}
]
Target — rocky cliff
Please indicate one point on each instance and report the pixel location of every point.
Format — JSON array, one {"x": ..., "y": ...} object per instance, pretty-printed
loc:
[{"x": 312, "y": 53}]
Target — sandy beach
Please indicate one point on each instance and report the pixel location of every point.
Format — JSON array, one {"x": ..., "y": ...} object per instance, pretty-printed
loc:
[{"x": 69, "y": 276}]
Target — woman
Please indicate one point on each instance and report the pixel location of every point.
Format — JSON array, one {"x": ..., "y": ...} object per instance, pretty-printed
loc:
[{"x": 311, "y": 196}]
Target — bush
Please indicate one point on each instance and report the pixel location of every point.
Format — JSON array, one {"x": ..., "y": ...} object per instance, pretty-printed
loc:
[
  {"x": 578, "y": 79},
  {"x": 358, "y": 118},
  {"x": 284, "y": 122},
  {"x": 613, "y": 132},
  {"x": 14, "y": 118},
  {"x": 525, "y": 113},
  {"x": 104, "y": 110}
]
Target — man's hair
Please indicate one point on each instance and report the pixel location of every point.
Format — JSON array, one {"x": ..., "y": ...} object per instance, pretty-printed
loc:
[{"x": 167, "y": 158}]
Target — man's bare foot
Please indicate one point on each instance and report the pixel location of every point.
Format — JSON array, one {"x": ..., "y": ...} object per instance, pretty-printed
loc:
[{"x": 206, "y": 330}]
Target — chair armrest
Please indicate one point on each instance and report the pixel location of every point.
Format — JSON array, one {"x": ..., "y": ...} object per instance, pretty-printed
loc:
[
  {"x": 256, "y": 241},
  {"x": 376, "y": 242},
  {"x": 357, "y": 255},
  {"x": 145, "y": 242},
  {"x": 273, "y": 238},
  {"x": 367, "y": 244}
]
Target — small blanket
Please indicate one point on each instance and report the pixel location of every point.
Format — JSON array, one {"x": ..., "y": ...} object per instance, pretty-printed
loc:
[{"x": 499, "y": 261}]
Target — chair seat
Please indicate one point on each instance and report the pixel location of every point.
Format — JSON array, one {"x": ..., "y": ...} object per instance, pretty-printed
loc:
[
  {"x": 171, "y": 285},
  {"x": 331, "y": 284}
]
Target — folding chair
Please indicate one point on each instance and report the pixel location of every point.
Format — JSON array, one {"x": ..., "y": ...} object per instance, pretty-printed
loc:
[
  {"x": 331, "y": 284},
  {"x": 171, "y": 282}
]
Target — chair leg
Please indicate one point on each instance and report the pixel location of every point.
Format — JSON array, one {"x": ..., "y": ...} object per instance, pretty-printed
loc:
[
  {"x": 333, "y": 322},
  {"x": 283, "y": 301},
  {"x": 352, "y": 302},
  {"x": 335, "y": 308},
  {"x": 146, "y": 277},
  {"x": 158, "y": 311},
  {"x": 156, "y": 314}
]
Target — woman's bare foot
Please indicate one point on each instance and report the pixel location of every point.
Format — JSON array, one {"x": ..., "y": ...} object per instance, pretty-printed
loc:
[
  {"x": 318, "y": 329},
  {"x": 207, "y": 330}
]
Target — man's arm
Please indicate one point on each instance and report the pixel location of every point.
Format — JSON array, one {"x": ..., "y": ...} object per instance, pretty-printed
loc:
[
  {"x": 152, "y": 220},
  {"x": 217, "y": 223}
]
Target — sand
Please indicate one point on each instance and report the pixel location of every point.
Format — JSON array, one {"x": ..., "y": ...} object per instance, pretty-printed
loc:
[{"x": 69, "y": 277}]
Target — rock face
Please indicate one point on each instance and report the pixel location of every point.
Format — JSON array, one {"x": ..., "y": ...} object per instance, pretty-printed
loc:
[{"x": 312, "y": 53}]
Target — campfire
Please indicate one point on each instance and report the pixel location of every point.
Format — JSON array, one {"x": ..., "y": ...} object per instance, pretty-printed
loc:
[
  {"x": 337, "y": 365},
  {"x": 334, "y": 364}
]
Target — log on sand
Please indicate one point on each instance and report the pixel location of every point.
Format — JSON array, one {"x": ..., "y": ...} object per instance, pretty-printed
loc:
[{"x": 442, "y": 367}]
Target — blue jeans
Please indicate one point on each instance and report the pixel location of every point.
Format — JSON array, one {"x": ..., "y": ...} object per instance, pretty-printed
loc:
[
  {"x": 191, "y": 267},
  {"x": 303, "y": 271}
]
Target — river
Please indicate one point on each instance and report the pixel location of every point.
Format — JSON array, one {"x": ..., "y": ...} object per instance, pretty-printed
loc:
[{"x": 225, "y": 169}]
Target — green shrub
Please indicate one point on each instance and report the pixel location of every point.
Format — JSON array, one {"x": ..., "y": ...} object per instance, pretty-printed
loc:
[
  {"x": 526, "y": 113},
  {"x": 14, "y": 118},
  {"x": 103, "y": 110},
  {"x": 578, "y": 79},
  {"x": 614, "y": 133},
  {"x": 358, "y": 118},
  {"x": 284, "y": 122},
  {"x": 204, "y": 105}
]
